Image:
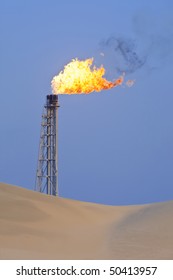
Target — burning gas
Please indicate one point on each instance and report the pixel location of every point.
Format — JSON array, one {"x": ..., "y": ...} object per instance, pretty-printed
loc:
[{"x": 82, "y": 77}]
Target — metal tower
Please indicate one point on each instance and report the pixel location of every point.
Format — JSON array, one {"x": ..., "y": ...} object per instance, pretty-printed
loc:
[{"x": 47, "y": 171}]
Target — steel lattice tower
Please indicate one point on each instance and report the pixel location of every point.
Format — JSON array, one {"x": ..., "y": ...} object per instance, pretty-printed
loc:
[{"x": 47, "y": 171}]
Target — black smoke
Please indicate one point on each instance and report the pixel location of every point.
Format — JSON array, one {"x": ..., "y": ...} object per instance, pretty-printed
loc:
[
  {"x": 149, "y": 43},
  {"x": 124, "y": 54}
]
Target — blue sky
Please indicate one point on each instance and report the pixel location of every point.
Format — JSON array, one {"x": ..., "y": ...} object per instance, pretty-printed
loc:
[{"x": 116, "y": 146}]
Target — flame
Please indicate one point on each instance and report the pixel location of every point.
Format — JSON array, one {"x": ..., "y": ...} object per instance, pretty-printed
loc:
[{"x": 81, "y": 77}]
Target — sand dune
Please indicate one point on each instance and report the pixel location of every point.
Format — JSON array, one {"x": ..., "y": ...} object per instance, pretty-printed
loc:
[{"x": 37, "y": 226}]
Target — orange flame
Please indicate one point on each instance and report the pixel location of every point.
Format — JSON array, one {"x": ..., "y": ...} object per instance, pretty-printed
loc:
[{"x": 80, "y": 77}]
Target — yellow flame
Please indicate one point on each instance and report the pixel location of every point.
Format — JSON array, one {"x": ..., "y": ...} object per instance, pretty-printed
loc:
[{"x": 81, "y": 77}]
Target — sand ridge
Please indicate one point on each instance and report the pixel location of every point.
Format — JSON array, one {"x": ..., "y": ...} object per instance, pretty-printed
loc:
[{"x": 37, "y": 226}]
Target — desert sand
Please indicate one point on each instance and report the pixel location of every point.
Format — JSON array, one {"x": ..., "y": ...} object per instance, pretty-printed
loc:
[{"x": 38, "y": 226}]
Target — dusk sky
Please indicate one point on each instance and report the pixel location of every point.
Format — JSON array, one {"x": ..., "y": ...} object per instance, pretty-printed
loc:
[{"x": 115, "y": 146}]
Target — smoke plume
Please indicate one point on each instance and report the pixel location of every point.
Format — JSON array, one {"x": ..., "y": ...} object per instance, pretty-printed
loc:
[
  {"x": 150, "y": 44},
  {"x": 124, "y": 54}
]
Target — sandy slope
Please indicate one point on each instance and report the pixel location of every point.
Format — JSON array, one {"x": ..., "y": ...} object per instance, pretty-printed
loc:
[{"x": 36, "y": 226}]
